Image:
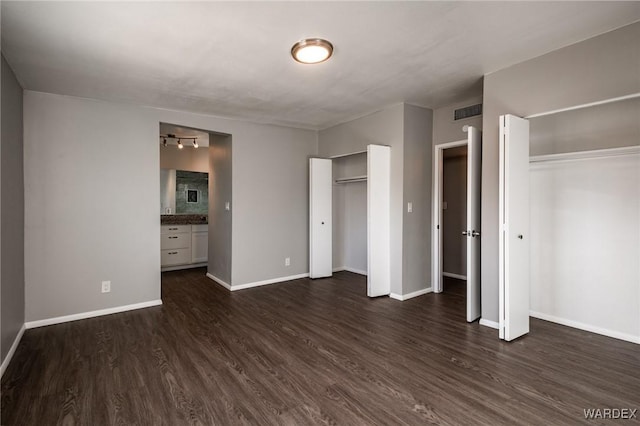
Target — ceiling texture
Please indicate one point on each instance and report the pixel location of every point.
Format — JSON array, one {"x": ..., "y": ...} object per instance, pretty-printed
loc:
[{"x": 232, "y": 59}]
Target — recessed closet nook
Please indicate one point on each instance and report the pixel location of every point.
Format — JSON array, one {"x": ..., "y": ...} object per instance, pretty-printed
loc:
[
  {"x": 585, "y": 217},
  {"x": 349, "y": 221}
]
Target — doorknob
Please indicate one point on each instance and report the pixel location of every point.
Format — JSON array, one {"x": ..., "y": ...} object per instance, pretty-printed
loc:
[
  {"x": 475, "y": 234},
  {"x": 465, "y": 233},
  {"x": 520, "y": 236}
]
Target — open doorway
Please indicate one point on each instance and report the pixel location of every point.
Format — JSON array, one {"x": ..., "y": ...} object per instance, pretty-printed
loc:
[
  {"x": 195, "y": 200},
  {"x": 456, "y": 220}
]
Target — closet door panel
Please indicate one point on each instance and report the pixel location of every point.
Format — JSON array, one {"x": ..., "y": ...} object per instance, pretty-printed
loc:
[
  {"x": 514, "y": 221},
  {"x": 378, "y": 220},
  {"x": 320, "y": 218}
]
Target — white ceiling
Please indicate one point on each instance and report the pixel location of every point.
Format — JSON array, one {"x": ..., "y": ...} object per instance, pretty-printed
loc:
[{"x": 232, "y": 59}]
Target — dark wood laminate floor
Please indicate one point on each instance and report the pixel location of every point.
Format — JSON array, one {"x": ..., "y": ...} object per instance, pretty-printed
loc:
[{"x": 310, "y": 352}]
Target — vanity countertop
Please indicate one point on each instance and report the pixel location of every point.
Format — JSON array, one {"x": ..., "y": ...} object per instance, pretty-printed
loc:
[{"x": 183, "y": 219}]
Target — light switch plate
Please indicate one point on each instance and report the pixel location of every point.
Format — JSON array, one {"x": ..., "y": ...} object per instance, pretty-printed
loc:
[{"x": 409, "y": 207}]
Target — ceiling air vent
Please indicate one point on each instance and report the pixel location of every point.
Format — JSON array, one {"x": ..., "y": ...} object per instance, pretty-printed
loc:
[{"x": 466, "y": 112}]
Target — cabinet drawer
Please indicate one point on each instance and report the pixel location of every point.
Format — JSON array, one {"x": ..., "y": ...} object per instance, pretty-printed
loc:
[
  {"x": 175, "y": 257},
  {"x": 175, "y": 229},
  {"x": 175, "y": 241}
]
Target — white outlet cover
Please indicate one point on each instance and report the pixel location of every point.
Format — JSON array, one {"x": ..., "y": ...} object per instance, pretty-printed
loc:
[{"x": 106, "y": 286}]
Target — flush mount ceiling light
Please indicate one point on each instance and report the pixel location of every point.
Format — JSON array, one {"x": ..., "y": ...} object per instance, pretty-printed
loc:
[{"x": 312, "y": 51}]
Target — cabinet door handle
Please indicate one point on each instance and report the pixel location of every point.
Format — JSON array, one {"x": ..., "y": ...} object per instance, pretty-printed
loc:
[
  {"x": 173, "y": 252},
  {"x": 172, "y": 238},
  {"x": 173, "y": 229}
]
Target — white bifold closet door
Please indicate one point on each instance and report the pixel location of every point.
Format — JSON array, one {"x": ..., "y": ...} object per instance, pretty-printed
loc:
[
  {"x": 514, "y": 227},
  {"x": 474, "y": 181},
  {"x": 320, "y": 215},
  {"x": 378, "y": 220}
]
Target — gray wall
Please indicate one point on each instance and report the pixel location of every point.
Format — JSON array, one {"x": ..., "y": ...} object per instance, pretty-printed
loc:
[
  {"x": 220, "y": 220},
  {"x": 446, "y": 129},
  {"x": 407, "y": 130},
  {"x": 416, "y": 241},
  {"x": 12, "y": 210},
  {"x": 82, "y": 228},
  {"x": 384, "y": 127},
  {"x": 599, "y": 68},
  {"x": 603, "y": 126},
  {"x": 454, "y": 218}
]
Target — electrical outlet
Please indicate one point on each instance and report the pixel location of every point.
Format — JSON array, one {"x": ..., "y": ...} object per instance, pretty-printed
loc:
[
  {"x": 106, "y": 286},
  {"x": 287, "y": 261}
]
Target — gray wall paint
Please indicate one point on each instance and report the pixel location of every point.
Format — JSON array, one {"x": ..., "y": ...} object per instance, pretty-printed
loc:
[
  {"x": 407, "y": 129},
  {"x": 454, "y": 217},
  {"x": 383, "y": 128},
  {"x": 446, "y": 129},
  {"x": 416, "y": 241},
  {"x": 599, "y": 68},
  {"x": 12, "y": 210},
  {"x": 188, "y": 158},
  {"x": 220, "y": 220},
  {"x": 82, "y": 228},
  {"x": 604, "y": 126}
]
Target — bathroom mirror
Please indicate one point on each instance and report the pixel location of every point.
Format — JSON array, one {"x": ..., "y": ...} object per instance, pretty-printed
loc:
[{"x": 183, "y": 192}]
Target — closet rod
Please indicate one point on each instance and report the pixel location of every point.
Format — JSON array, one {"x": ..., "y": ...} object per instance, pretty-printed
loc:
[
  {"x": 352, "y": 179},
  {"x": 586, "y": 155},
  {"x": 571, "y": 108}
]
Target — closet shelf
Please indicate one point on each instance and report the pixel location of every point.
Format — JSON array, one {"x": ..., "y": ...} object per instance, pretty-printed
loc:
[{"x": 362, "y": 178}]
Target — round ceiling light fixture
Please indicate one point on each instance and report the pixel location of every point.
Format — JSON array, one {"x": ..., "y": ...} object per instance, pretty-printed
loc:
[{"x": 312, "y": 51}]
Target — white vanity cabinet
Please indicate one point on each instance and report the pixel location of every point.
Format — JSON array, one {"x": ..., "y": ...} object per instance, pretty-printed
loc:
[
  {"x": 183, "y": 246},
  {"x": 199, "y": 243}
]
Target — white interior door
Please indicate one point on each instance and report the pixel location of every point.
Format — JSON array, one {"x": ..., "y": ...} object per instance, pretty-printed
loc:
[
  {"x": 514, "y": 227},
  {"x": 474, "y": 176},
  {"x": 378, "y": 220},
  {"x": 320, "y": 214}
]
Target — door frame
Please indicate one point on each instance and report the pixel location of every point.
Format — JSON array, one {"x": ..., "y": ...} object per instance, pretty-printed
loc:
[{"x": 436, "y": 202}]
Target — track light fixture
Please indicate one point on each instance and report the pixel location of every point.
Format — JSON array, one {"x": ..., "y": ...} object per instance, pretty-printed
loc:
[{"x": 193, "y": 140}]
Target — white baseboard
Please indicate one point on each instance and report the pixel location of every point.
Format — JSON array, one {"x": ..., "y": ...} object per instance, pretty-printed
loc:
[
  {"x": 12, "y": 350},
  {"x": 339, "y": 268},
  {"x": 403, "y": 297},
  {"x": 92, "y": 314},
  {"x": 488, "y": 323},
  {"x": 586, "y": 327},
  {"x": 256, "y": 283},
  {"x": 219, "y": 281},
  {"x": 266, "y": 282},
  {"x": 452, "y": 275},
  {"x": 356, "y": 271}
]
